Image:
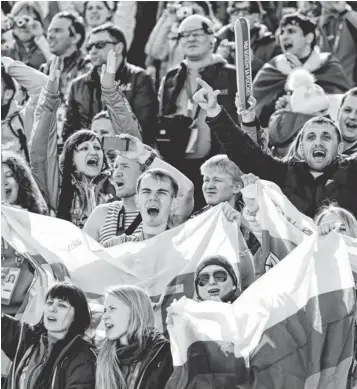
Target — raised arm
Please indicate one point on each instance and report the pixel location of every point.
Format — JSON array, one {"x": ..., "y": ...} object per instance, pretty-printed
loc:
[
  {"x": 138, "y": 151},
  {"x": 43, "y": 142},
  {"x": 238, "y": 146},
  {"x": 120, "y": 112}
]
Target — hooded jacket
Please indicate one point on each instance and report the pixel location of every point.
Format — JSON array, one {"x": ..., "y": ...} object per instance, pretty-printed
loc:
[
  {"x": 85, "y": 100},
  {"x": 73, "y": 369},
  {"x": 218, "y": 74},
  {"x": 337, "y": 182}
]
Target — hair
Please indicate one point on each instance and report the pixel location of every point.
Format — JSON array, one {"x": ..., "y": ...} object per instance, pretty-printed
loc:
[
  {"x": 141, "y": 321},
  {"x": 7, "y": 79},
  {"x": 347, "y": 217},
  {"x": 78, "y": 26},
  {"x": 28, "y": 6},
  {"x": 110, "y": 5},
  {"x": 293, "y": 152},
  {"x": 115, "y": 32},
  {"x": 351, "y": 92},
  {"x": 82, "y": 318},
  {"x": 254, "y": 6},
  {"x": 223, "y": 163},
  {"x": 303, "y": 22},
  {"x": 159, "y": 175},
  {"x": 29, "y": 195},
  {"x": 101, "y": 115},
  {"x": 67, "y": 167}
]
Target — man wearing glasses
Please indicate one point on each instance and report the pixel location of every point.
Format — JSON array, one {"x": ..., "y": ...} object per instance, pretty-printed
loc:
[
  {"x": 85, "y": 98},
  {"x": 179, "y": 85}
]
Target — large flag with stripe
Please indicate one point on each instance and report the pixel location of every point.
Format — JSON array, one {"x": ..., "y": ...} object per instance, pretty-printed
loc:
[{"x": 292, "y": 328}]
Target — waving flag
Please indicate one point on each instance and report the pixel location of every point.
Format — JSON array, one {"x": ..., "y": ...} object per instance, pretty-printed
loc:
[{"x": 292, "y": 328}]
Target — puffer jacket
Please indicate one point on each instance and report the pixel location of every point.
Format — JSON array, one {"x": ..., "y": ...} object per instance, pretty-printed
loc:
[
  {"x": 85, "y": 100},
  {"x": 46, "y": 171},
  {"x": 337, "y": 183},
  {"x": 219, "y": 75},
  {"x": 73, "y": 369}
]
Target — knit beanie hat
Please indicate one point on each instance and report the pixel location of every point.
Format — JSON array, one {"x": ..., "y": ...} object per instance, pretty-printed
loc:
[
  {"x": 218, "y": 260},
  {"x": 307, "y": 97}
]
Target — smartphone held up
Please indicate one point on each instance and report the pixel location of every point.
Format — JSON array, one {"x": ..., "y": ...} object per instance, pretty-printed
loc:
[{"x": 115, "y": 143}]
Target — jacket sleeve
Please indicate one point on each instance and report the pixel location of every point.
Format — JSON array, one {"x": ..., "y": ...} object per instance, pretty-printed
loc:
[
  {"x": 145, "y": 107},
  {"x": 30, "y": 79},
  {"x": 43, "y": 148},
  {"x": 244, "y": 152},
  {"x": 11, "y": 333},
  {"x": 81, "y": 373},
  {"x": 72, "y": 122},
  {"x": 184, "y": 200},
  {"x": 157, "y": 45},
  {"x": 120, "y": 112}
]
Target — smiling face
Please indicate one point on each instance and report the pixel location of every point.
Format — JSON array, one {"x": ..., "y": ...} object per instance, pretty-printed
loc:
[
  {"x": 96, "y": 13},
  {"x": 214, "y": 281},
  {"x": 58, "y": 36},
  {"x": 320, "y": 145},
  {"x": 10, "y": 184},
  {"x": 154, "y": 200},
  {"x": 348, "y": 119},
  {"x": 293, "y": 40},
  {"x": 88, "y": 158},
  {"x": 116, "y": 318},
  {"x": 58, "y": 315},
  {"x": 218, "y": 187},
  {"x": 126, "y": 174},
  {"x": 198, "y": 44}
]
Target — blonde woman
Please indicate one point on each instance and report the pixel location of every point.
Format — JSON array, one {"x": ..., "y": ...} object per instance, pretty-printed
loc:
[{"x": 134, "y": 355}]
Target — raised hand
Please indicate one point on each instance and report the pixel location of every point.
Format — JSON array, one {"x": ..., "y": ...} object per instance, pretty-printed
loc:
[
  {"x": 206, "y": 97},
  {"x": 250, "y": 202},
  {"x": 283, "y": 102},
  {"x": 54, "y": 76},
  {"x": 248, "y": 114},
  {"x": 36, "y": 28},
  {"x": 231, "y": 214},
  {"x": 136, "y": 151},
  {"x": 107, "y": 77},
  {"x": 326, "y": 228}
]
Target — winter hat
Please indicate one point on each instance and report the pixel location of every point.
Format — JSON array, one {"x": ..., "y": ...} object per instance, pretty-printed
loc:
[
  {"x": 307, "y": 97},
  {"x": 218, "y": 260}
]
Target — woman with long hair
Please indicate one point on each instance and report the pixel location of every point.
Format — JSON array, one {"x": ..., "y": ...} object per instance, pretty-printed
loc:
[
  {"x": 81, "y": 180},
  {"x": 20, "y": 190},
  {"x": 53, "y": 353},
  {"x": 134, "y": 354}
]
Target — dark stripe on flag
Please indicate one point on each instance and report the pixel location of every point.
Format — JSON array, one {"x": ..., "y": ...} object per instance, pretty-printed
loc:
[
  {"x": 299, "y": 347},
  {"x": 278, "y": 246}
]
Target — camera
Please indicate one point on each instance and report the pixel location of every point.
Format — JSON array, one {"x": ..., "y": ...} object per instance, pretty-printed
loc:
[
  {"x": 22, "y": 21},
  {"x": 184, "y": 12}
]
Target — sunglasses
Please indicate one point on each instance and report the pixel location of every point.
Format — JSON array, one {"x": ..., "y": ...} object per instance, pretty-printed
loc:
[
  {"x": 219, "y": 276},
  {"x": 98, "y": 45}
]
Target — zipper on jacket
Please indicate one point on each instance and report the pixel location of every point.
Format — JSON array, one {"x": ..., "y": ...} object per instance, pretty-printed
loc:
[{"x": 147, "y": 366}]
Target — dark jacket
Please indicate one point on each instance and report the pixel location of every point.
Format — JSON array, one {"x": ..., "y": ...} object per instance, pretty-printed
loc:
[
  {"x": 262, "y": 43},
  {"x": 85, "y": 100},
  {"x": 220, "y": 76},
  {"x": 156, "y": 364},
  {"x": 73, "y": 369},
  {"x": 338, "y": 182}
]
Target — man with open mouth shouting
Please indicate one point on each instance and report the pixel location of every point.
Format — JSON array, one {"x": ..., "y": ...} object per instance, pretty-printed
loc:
[{"x": 347, "y": 119}]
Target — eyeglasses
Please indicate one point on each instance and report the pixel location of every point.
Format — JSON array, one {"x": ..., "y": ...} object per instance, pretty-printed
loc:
[
  {"x": 98, "y": 45},
  {"x": 198, "y": 33},
  {"x": 218, "y": 276},
  {"x": 243, "y": 11}
]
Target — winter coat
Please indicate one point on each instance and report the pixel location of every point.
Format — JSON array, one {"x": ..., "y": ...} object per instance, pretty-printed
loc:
[
  {"x": 338, "y": 181},
  {"x": 219, "y": 75},
  {"x": 85, "y": 100},
  {"x": 46, "y": 171},
  {"x": 73, "y": 369}
]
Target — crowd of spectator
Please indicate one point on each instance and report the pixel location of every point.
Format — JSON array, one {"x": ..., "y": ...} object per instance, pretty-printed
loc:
[{"x": 81, "y": 79}]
